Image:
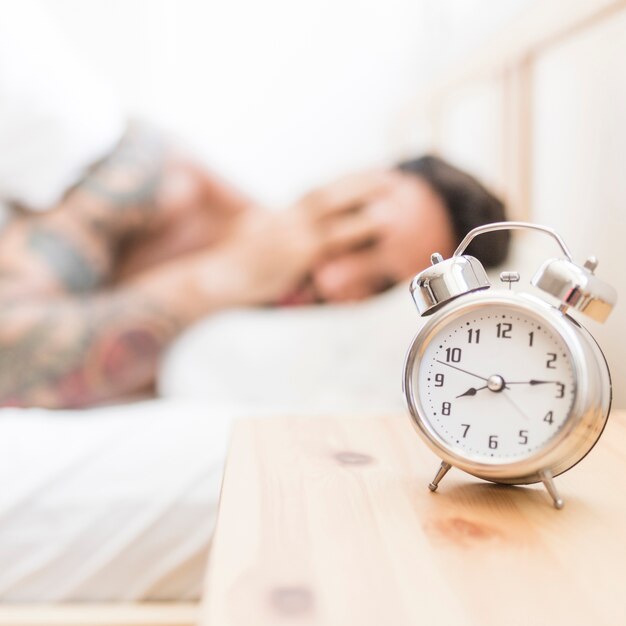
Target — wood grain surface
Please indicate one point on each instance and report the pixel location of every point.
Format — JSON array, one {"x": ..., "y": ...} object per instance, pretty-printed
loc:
[{"x": 330, "y": 521}]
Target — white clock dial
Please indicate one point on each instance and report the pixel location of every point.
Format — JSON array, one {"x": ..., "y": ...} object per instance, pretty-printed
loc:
[{"x": 496, "y": 385}]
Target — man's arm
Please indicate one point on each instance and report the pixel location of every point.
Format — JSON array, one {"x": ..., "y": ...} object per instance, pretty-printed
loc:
[
  {"x": 76, "y": 330},
  {"x": 115, "y": 219},
  {"x": 69, "y": 335},
  {"x": 70, "y": 352}
]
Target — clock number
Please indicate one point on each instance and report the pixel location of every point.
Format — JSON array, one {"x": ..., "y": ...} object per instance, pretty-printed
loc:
[
  {"x": 439, "y": 378},
  {"x": 445, "y": 408},
  {"x": 453, "y": 355},
  {"x": 473, "y": 335},
  {"x": 560, "y": 390},
  {"x": 504, "y": 330},
  {"x": 549, "y": 417},
  {"x": 466, "y": 427},
  {"x": 523, "y": 437},
  {"x": 493, "y": 441},
  {"x": 531, "y": 336},
  {"x": 550, "y": 362}
]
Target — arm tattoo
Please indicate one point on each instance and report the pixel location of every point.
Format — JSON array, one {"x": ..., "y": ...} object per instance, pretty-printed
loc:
[
  {"x": 81, "y": 243},
  {"x": 78, "y": 353},
  {"x": 76, "y": 272},
  {"x": 75, "y": 351},
  {"x": 131, "y": 175}
]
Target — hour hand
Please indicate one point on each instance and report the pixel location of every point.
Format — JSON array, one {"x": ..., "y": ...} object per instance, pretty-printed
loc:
[{"x": 472, "y": 391}]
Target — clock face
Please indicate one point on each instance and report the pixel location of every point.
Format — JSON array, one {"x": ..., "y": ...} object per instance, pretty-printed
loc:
[{"x": 496, "y": 383}]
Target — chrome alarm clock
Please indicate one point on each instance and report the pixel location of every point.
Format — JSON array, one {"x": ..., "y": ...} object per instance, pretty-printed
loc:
[{"x": 503, "y": 384}]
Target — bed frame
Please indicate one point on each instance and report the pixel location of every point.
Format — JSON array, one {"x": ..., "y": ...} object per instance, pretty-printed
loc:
[{"x": 505, "y": 64}]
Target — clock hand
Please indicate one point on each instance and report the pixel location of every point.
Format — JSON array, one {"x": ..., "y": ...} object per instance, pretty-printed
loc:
[
  {"x": 461, "y": 370},
  {"x": 514, "y": 405},
  {"x": 533, "y": 382},
  {"x": 472, "y": 391}
]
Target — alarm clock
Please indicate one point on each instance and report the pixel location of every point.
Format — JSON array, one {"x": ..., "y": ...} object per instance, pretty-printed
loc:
[{"x": 503, "y": 384}]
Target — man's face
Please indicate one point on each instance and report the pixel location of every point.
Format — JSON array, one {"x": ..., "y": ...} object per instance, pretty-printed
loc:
[{"x": 414, "y": 223}]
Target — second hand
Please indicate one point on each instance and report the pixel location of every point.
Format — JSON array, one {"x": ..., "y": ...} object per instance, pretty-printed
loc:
[{"x": 515, "y": 406}]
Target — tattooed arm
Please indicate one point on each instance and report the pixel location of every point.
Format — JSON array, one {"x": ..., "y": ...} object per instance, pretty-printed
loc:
[
  {"x": 142, "y": 205},
  {"x": 92, "y": 292},
  {"x": 71, "y": 352},
  {"x": 79, "y": 350},
  {"x": 73, "y": 334}
]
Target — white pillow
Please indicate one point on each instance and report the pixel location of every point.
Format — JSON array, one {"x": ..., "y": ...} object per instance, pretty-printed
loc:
[{"x": 315, "y": 360}]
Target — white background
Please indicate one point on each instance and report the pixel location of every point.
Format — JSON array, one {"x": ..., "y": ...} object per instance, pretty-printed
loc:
[{"x": 278, "y": 95}]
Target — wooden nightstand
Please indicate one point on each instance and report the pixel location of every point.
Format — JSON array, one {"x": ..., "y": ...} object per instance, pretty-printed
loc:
[{"x": 330, "y": 521}]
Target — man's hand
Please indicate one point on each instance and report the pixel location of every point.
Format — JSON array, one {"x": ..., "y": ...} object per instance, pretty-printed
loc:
[
  {"x": 268, "y": 255},
  {"x": 412, "y": 223},
  {"x": 263, "y": 255}
]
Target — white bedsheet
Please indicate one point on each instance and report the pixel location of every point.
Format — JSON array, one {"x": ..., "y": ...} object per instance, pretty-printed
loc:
[{"x": 110, "y": 504}]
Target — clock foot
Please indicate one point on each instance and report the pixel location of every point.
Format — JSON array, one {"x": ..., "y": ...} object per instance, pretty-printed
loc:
[
  {"x": 548, "y": 482},
  {"x": 441, "y": 472}
]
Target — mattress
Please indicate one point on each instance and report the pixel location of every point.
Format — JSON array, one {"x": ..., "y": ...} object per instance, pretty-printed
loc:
[{"x": 114, "y": 503}]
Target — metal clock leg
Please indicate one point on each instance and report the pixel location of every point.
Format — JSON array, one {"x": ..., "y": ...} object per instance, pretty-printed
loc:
[
  {"x": 548, "y": 481},
  {"x": 441, "y": 472}
]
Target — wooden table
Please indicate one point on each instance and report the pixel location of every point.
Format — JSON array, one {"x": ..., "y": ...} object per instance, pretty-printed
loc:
[{"x": 330, "y": 522}]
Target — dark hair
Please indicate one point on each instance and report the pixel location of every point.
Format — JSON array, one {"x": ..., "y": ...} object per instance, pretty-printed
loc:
[{"x": 469, "y": 205}]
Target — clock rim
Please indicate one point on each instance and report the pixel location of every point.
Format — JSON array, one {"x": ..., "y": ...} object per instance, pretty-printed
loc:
[{"x": 587, "y": 407}]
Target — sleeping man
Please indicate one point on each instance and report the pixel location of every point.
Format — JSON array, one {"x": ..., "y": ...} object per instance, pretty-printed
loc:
[
  {"x": 146, "y": 242},
  {"x": 114, "y": 241}
]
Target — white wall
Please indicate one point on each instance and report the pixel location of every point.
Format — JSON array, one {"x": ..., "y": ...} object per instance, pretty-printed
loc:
[
  {"x": 472, "y": 133},
  {"x": 278, "y": 94},
  {"x": 579, "y": 161}
]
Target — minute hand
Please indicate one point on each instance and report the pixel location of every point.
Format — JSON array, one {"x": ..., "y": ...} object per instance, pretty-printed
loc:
[
  {"x": 532, "y": 381},
  {"x": 462, "y": 370}
]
